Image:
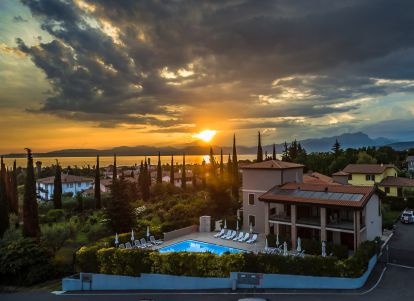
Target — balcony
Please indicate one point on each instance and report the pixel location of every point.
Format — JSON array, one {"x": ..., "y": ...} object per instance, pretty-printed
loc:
[
  {"x": 341, "y": 224},
  {"x": 280, "y": 218},
  {"x": 309, "y": 220}
]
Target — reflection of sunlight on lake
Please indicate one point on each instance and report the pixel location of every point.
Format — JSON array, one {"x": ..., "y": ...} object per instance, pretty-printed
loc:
[{"x": 206, "y": 158}]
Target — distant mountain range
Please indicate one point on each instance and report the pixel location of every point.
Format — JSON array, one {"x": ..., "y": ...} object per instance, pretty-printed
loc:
[{"x": 347, "y": 140}]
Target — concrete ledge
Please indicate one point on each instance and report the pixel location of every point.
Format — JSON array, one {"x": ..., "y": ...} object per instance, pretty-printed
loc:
[{"x": 171, "y": 282}]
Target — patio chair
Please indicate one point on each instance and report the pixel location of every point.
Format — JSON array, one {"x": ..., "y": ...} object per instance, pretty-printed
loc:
[
  {"x": 246, "y": 237},
  {"x": 144, "y": 243},
  {"x": 138, "y": 244},
  {"x": 241, "y": 234},
  {"x": 218, "y": 234},
  {"x": 121, "y": 246},
  {"x": 155, "y": 241},
  {"x": 253, "y": 239},
  {"x": 227, "y": 234},
  {"x": 128, "y": 245},
  {"x": 233, "y": 235}
]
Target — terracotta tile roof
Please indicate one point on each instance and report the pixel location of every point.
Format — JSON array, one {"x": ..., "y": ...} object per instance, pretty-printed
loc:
[
  {"x": 331, "y": 195},
  {"x": 318, "y": 178},
  {"x": 397, "y": 181},
  {"x": 65, "y": 179},
  {"x": 272, "y": 164},
  {"x": 340, "y": 173},
  {"x": 367, "y": 168}
]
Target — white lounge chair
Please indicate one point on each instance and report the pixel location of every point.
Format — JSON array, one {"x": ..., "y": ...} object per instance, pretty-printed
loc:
[
  {"x": 246, "y": 237},
  {"x": 253, "y": 239},
  {"x": 233, "y": 235},
  {"x": 121, "y": 246},
  {"x": 227, "y": 234},
  {"x": 128, "y": 245},
  {"x": 137, "y": 244},
  {"x": 155, "y": 241},
  {"x": 241, "y": 234},
  {"x": 218, "y": 234},
  {"x": 144, "y": 243}
]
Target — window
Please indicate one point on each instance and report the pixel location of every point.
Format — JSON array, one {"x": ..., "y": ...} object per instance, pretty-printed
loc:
[
  {"x": 251, "y": 198},
  {"x": 387, "y": 190},
  {"x": 79, "y": 184},
  {"x": 70, "y": 185},
  {"x": 370, "y": 177},
  {"x": 252, "y": 220},
  {"x": 350, "y": 177}
]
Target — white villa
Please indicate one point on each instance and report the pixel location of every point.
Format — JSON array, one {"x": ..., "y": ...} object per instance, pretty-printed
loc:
[{"x": 70, "y": 183}]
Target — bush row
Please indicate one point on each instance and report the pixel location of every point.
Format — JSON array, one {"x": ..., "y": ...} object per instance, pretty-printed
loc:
[
  {"x": 132, "y": 262},
  {"x": 399, "y": 203}
]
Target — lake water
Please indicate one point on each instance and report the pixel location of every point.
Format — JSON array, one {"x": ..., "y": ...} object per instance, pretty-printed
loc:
[{"x": 121, "y": 160}]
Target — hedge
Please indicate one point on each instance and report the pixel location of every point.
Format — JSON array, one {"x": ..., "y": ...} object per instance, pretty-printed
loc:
[
  {"x": 133, "y": 262},
  {"x": 399, "y": 203}
]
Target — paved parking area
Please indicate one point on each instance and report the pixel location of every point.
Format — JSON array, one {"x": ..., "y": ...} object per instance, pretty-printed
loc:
[{"x": 401, "y": 246}]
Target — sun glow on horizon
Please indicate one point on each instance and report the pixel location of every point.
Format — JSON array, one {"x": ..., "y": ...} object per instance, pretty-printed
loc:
[{"x": 205, "y": 135}]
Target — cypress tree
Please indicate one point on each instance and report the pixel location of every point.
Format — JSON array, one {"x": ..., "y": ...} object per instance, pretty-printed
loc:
[
  {"x": 183, "y": 175},
  {"x": 235, "y": 179},
  {"x": 194, "y": 177},
  {"x": 145, "y": 183},
  {"x": 229, "y": 170},
  {"x": 97, "y": 194},
  {"x": 172, "y": 170},
  {"x": 79, "y": 201},
  {"x": 213, "y": 170},
  {"x": 336, "y": 148},
  {"x": 119, "y": 211},
  {"x": 15, "y": 191},
  {"x": 285, "y": 154},
  {"x": 221, "y": 164},
  {"x": 149, "y": 174},
  {"x": 259, "y": 150},
  {"x": 114, "y": 171},
  {"x": 159, "y": 169},
  {"x": 274, "y": 152},
  {"x": 30, "y": 210},
  {"x": 57, "y": 187},
  {"x": 4, "y": 208},
  {"x": 203, "y": 174}
]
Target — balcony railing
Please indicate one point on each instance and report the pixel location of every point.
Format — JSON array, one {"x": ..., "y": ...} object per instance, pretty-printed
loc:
[
  {"x": 280, "y": 217},
  {"x": 309, "y": 220}
]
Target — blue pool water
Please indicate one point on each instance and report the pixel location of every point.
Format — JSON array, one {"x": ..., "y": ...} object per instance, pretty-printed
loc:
[{"x": 198, "y": 246}]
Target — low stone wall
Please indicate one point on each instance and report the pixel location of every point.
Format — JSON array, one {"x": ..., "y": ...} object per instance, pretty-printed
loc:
[
  {"x": 180, "y": 232},
  {"x": 169, "y": 282}
]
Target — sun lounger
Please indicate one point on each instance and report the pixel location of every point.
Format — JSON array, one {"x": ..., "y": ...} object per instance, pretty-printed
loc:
[
  {"x": 144, "y": 243},
  {"x": 227, "y": 234},
  {"x": 240, "y": 236},
  {"x": 253, "y": 239},
  {"x": 246, "y": 237},
  {"x": 233, "y": 235},
  {"x": 128, "y": 245},
  {"x": 121, "y": 246},
  {"x": 155, "y": 241},
  {"x": 137, "y": 244},
  {"x": 218, "y": 234}
]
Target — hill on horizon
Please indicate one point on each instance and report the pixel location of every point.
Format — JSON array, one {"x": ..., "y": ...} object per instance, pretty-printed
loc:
[{"x": 347, "y": 140}]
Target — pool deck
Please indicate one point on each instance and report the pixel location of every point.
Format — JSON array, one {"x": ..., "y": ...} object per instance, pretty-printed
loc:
[{"x": 208, "y": 237}]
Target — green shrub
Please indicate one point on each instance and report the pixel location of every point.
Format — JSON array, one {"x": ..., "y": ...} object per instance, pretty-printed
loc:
[
  {"x": 24, "y": 262},
  {"x": 54, "y": 236},
  {"x": 97, "y": 231},
  {"x": 86, "y": 259},
  {"x": 54, "y": 216}
]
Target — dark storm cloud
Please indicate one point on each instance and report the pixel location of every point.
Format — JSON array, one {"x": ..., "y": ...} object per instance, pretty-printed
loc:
[{"x": 270, "y": 58}]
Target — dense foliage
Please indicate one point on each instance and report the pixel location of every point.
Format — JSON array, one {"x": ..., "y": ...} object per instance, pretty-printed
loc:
[{"x": 135, "y": 261}]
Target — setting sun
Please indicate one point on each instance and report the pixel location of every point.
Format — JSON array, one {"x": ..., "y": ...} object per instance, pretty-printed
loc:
[{"x": 205, "y": 135}]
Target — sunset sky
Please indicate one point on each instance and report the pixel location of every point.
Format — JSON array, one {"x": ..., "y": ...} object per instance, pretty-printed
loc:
[{"x": 97, "y": 74}]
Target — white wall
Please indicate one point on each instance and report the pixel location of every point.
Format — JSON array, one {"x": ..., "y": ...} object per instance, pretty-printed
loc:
[
  {"x": 373, "y": 220},
  {"x": 66, "y": 187}
]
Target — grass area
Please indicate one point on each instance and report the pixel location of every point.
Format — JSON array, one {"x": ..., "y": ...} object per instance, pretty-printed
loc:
[{"x": 389, "y": 217}]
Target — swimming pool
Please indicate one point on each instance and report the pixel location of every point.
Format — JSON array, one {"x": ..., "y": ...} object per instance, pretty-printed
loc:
[{"x": 198, "y": 246}]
